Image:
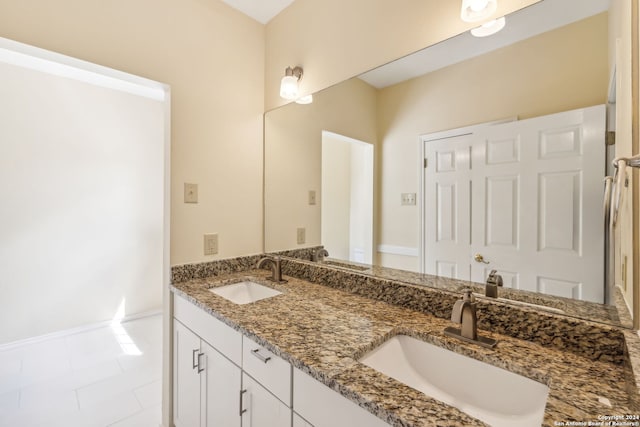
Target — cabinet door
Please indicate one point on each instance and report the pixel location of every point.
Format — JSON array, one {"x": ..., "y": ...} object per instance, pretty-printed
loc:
[
  {"x": 261, "y": 408},
  {"x": 186, "y": 380},
  {"x": 221, "y": 386},
  {"x": 324, "y": 407}
]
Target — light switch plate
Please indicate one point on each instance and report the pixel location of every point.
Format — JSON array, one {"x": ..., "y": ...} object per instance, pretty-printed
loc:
[
  {"x": 211, "y": 244},
  {"x": 190, "y": 193},
  {"x": 312, "y": 197},
  {"x": 408, "y": 199},
  {"x": 301, "y": 235}
]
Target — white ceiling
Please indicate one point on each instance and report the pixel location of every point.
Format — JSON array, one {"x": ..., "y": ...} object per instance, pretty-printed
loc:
[
  {"x": 260, "y": 10},
  {"x": 536, "y": 19}
]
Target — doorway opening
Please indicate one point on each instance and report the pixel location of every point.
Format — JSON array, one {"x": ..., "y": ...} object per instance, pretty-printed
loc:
[{"x": 347, "y": 198}]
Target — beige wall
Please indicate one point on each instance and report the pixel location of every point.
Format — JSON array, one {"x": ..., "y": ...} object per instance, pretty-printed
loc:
[
  {"x": 334, "y": 40},
  {"x": 557, "y": 71},
  {"x": 293, "y": 154},
  {"x": 213, "y": 58}
]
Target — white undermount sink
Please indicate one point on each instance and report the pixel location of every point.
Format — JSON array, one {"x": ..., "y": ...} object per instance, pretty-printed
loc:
[
  {"x": 245, "y": 292},
  {"x": 498, "y": 397}
]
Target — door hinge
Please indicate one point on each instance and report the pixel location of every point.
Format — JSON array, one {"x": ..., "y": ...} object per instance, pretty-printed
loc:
[
  {"x": 425, "y": 163},
  {"x": 611, "y": 138}
]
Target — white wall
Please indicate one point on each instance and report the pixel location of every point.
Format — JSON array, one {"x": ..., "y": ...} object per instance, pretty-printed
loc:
[
  {"x": 336, "y": 196},
  {"x": 347, "y": 198},
  {"x": 361, "y": 213},
  {"x": 82, "y": 185}
]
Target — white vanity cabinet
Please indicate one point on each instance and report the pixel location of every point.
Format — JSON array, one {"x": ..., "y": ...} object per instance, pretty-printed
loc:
[
  {"x": 221, "y": 378},
  {"x": 206, "y": 371},
  {"x": 266, "y": 384},
  {"x": 323, "y": 407},
  {"x": 186, "y": 379},
  {"x": 299, "y": 422}
]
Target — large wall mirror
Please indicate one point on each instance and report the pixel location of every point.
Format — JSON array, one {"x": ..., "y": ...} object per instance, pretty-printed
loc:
[{"x": 348, "y": 171}]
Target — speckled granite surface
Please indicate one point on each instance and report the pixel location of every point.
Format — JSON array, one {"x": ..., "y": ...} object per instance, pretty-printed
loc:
[
  {"x": 181, "y": 273},
  {"x": 589, "y": 339},
  {"x": 323, "y": 330},
  {"x": 581, "y": 309}
]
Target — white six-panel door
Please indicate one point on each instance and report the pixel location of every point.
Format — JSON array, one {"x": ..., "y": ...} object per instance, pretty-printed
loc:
[
  {"x": 448, "y": 201},
  {"x": 534, "y": 208}
]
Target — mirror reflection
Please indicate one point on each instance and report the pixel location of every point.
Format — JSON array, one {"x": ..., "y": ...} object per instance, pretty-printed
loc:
[{"x": 473, "y": 155}]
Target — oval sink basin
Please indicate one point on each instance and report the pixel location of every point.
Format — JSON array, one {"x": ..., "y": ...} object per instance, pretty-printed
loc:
[
  {"x": 498, "y": 397},
  {"x": 245, "y": 292}
]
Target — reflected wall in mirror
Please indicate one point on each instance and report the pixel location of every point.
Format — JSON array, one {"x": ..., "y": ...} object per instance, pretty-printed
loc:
[{"x": 552, "y": 57}]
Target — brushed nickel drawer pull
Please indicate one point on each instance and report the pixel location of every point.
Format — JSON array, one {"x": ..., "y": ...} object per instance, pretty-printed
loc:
[
  {"x": 259, "y": 356},
  {"x": 242, "y": 411},
  {"x": 199, "y": 369},
  {"x": 193, "y": 358}
]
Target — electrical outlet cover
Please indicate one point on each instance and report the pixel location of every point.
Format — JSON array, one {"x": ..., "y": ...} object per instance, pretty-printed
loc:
[
  {"x": 211, "y": 244},
  {"x": 301, "y": 235}
]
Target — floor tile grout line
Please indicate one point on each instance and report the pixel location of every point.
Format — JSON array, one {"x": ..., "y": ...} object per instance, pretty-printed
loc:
[
  {"x": 71, "y": 383},
  {"x": 128, "y": 416}
]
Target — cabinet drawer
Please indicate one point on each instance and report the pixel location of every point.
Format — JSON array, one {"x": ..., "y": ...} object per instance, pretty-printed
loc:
[
  {"x": 219, "y": 335},
  {"x": 270, "y": 370},
  {"x": 323, "y": 407}
]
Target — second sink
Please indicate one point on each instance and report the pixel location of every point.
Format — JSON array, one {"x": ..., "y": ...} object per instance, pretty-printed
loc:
[
  {"x": 498, "y": 397},
  {"x": 245, "y": 292}
]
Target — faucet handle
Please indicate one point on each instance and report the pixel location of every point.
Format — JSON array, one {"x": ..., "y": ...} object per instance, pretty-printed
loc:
[{"x": 494, "y": 278}]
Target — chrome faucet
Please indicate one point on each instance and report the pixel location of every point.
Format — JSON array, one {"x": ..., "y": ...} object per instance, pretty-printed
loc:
[
  {"x": 276, "y": 268},
  {"x": 464, "y": 313},
  {"x": 493, "y": 281},
  {"x": 319, "y": 254}
]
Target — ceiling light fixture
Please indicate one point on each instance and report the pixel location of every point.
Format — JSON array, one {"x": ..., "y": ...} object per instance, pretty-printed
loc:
[
  {"x": 477, "y": 10},
  {"x": 289, "y": 85},
  {"x": 489, "y": 28}
]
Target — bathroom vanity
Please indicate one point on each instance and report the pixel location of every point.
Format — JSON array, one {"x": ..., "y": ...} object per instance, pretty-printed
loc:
[{"x": 303, "y": 357}]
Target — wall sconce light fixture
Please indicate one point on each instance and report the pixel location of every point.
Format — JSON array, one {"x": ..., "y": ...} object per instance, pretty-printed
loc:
[
  {"x": 307, "y": 99},
  {"x": 489, "y": 28},
  {"x": 477, "y": 10},
  {"x": 289, "y": 84}
]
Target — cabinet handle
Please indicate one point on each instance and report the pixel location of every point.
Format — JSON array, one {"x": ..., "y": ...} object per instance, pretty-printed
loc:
[
  {"x": 259, "y": 356},
  {"x": 200, "y": 355},
  {"x": 195, "y": 362},
  {"x": 242, "y": 411}
]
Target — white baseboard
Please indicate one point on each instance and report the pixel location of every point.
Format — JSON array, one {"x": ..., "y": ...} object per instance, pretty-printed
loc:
[
  {"x": 398, "y": 250},
  {"x": 76, "y": 330}
]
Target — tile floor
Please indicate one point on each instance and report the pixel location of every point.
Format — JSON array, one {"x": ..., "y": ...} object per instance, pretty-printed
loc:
[{"x": 105, "y": 377}]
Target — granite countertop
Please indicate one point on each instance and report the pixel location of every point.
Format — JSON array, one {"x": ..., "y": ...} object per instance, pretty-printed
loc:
[
  {"x": 609, "y": 314},
  {"x": 323, "y": 331}
]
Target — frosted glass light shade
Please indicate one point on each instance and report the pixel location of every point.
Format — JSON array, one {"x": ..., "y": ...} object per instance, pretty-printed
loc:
[
  {"x": 307, "y": 99},
  {"x": 477, "y": 10},
  {"x": 289, "y": 87},
  {"x": 489, "y": 28}
]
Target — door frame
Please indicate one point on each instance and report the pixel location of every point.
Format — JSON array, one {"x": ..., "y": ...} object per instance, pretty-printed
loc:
[{"x": 435, "y": 136}]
